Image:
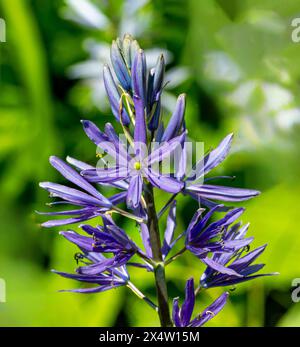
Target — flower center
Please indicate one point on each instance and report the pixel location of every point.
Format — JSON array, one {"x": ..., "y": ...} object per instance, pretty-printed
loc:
[{"x": 137, "y": 165}]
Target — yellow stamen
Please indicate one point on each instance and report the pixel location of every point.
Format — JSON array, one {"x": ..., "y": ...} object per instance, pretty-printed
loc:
[{"x": 137, "y": 165}]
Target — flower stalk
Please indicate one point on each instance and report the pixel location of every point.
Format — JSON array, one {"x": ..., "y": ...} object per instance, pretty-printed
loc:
[{"x": 159, "y": 270}]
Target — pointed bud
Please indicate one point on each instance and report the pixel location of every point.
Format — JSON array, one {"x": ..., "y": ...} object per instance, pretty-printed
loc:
[
  {"x": 119, "y": 65},
  {"x": 176, "y": 119},
  {"x": 114, "y": 96},
  {"x": 154, "y": 121},
  {"x": 150, "y": 81},
  {"x": 138, "y": 72},
  {"x": 158, "y": 76},
  {"x": 134, "y": 48},
  {"x": 127, "y": 41}
]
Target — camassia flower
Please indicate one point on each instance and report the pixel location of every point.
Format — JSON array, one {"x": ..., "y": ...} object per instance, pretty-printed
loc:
[
  {"x": 110, "y": 278},
  {"x": 109, "y": 272},
  {"x": 238, "y": 260},
  {"x": 182, "y": 315},
  {"x": 203, "y": 239},
  {"x": 108, "y": 239},
  {"x": 150, "y": 154},
  {"x": 135, "y": 168}
]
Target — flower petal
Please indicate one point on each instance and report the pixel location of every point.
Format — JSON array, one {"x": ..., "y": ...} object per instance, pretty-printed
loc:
[
  {"x": 168, "y": 184},
  {"x": 210, "y": 311},
  {"x": 189, "y": 303},
  {"x": 223, "y": 193},
  {"x": 114, "y": 97},
  {"x": 134, "y": 191},
  {"x": 74, "y": 177},
  {"x": 170, "y": 229},
  {"x": 166, "y": 149},
  {"x": 220, "y": 268},
  {"x": 214, "y": 158},
  {"x": 106, "y": 175},
  {"x": 176, "y": 119}
]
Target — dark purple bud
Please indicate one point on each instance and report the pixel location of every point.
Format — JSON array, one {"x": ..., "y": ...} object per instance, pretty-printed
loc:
[
  {"x": 150, "y": 81},
  {"x": 158, "y": 77},
  {"x": 155, "y": 116},
  {"x": 119, "y": 65}
]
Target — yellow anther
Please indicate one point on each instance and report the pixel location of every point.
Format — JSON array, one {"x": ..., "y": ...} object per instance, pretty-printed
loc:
[
  {"x": 210, "y": 312},
  {"x": 137, "y": 165}
]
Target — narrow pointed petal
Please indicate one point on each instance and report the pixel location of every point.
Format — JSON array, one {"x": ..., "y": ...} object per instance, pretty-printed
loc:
[
  {"x": 166, "y": 149},
  {"x": 140, "y": 133},
  {"x": 72, "y": 195},
  {"x": 223, "y": 193},
  {"x": 93, "y": 290},
  {"x": 102, "y": 141},
  {"x": 170, "y": 229},
  {"x": 146, "y": 239},
  {"x": 215, "y": 157},
  {"x": 66, "y": 213},
  {"x": 176, "y": 119},
  {"x": 114, "y": 138},
  {"x": 78, "y": 163},
  {"x": 118, "y": 198},
  {"x": 168, "y": 184},
  {"x": 220, "y": 268},
  {"x": 249, "y": 258},
  {"x": 228, "y": 219},
  {"x": 81, "y": 241},
  {"x": 108, "y": 175},
  {"x": 176, "y": 313},
  {"x": 74, "y": 177},
  {"x": 210, "y": 311},
  {"x": 180, "y": 164},
  {"x": 66, "y": 221},
  {"x": 134, "y": 191},
  {"x": 93, "y": 132},
  {"x": 189, "y": 303},
  {"x": 85, "y": 278}
]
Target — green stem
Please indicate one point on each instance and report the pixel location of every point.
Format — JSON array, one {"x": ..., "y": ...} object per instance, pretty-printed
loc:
[
  {"x": 159, "y": 269},
  {"x": 175, "y": 256}
]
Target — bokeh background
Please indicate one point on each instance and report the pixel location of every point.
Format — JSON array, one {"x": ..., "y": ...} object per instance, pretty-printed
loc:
[{"x": 240, "y": 68}]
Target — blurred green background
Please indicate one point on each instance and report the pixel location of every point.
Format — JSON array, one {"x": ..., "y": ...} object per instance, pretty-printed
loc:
[{"x": 240, "y": 68}]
